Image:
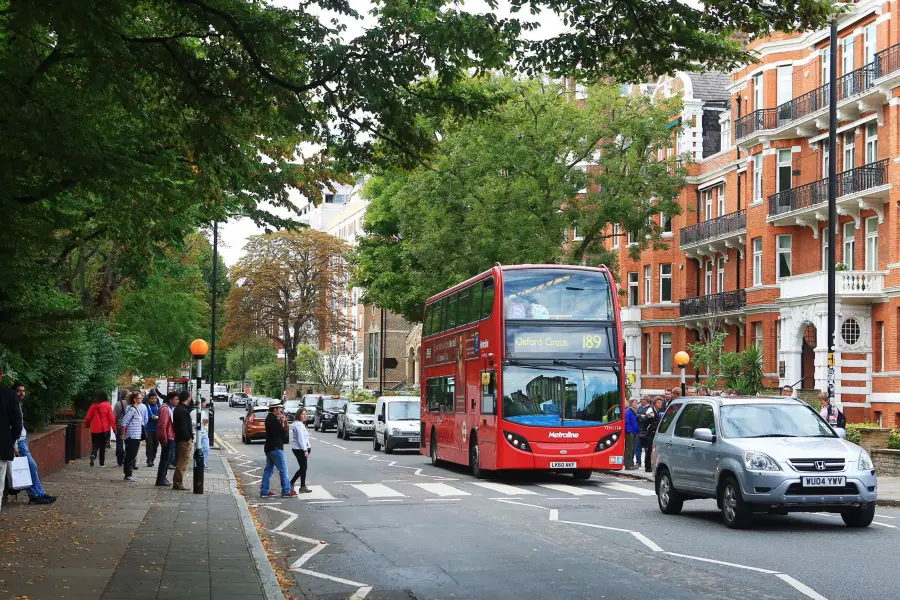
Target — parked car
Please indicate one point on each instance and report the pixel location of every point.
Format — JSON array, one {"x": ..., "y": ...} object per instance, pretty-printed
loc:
[
  {"x": 760, "y": 455},
  {"x": 396, "y": 423},
  {"x": 310, "y": 402},
  {"x": 291, "y": 408},
  {"x": 356, "y": 418},
  {"x": 220, "y": 393},
  {"x": 327, "y": 410},
  {"x": 254, "y": 427},
  {"x": 238, "y": 399}
]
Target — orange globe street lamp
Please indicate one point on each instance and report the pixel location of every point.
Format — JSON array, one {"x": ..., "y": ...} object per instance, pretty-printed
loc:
[
  {"x": 682, "y": 358},
  {"x": 199, "y": 349}
]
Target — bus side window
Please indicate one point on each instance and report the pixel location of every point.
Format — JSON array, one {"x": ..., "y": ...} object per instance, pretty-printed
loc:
[
  {"x": 487, "y": 302},
  {"x": 465, "y": 307},
  {"x": 476, "y": 302},
  {"x": 440, "y": 323},
  {"x": 429, "y": 317},
  {"x": 432, "y": 397},
  {"x": 488, "y": 393}
]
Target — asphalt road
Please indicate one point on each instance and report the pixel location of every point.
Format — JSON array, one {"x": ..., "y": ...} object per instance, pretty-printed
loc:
[{"x": 392, "y": 526}]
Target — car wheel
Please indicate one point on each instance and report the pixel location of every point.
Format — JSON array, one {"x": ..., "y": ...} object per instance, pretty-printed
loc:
[
  {"x": 375, "y": 445},
  {"x": 387, "y": 444},
  {"x": 337, "y": 430},
  {"x": 346, "y": 434},
  {"x": 669, "y": 500},
  {"x": 582, "y": 474},
  {"x": 316, "y": 425},
  {"x": 735, "y": 512},
  {"x": 433, "y": 452},
  {"x": 245, "y": 439},
  {"x": 859, "y": 517},
  {"x": 475, "y": 459}
]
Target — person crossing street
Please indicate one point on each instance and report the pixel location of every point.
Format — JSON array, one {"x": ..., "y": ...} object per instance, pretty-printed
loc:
[{"x": 276, "y": 438}]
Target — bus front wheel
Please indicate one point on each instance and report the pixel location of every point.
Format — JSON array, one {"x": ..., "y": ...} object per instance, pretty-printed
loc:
[
  {"x": 581, "y": 473},
  {"x": 435, "y": 461},
  {"x": 475, "y": 459}
]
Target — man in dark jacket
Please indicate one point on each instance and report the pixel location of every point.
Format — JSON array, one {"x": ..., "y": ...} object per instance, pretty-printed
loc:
[
  {"x": 10, "y": 428},
  {"x": 631, "y": 433},
  {"x": 184, "y": 435},
  {"x": 276, "y": 438}
]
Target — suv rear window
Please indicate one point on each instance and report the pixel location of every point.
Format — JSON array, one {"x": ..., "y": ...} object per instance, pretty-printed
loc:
[{"x": 669, "y": 416}]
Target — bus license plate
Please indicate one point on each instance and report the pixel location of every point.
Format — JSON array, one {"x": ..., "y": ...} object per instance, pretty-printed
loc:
[
  {"x": 821, "y": 481},
  {"x": 563, "y": 465}
]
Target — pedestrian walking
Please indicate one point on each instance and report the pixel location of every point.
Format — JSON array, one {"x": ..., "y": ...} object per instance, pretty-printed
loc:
[
  {"x": 638, "y": 444},
  {"x": 831, "y": 413},
  {"x": 36, "y": 493},
  {"x": 276, "y": 437},
  {"x": 119, "y": 412},
  {"x": 150, "y": 427},
  {"x": 651, "y": 420},
  {"x": 165, "y": 433},
  {"x": 130, "y": 433},
  {"x": 184, "y": 437},
  {"x": 141, "y": 406},
  {"x": 300, "y": 447},
  {"x": 10, "y": 427},
  {"x": 631, "y": 433},
  {"x": 100, "y": 420},
  {"x": 174, "y": 400},
  {"x": 204, "y": 433}
]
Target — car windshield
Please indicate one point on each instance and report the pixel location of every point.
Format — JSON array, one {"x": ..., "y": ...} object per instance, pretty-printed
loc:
[
  {"x": 241, "y": 394},
  {"x": 403, "y": 411},
  {"x": 292, "y": 405},
  {"x": 557, "y": 294},
  {"x": 360, "y": 409},
  {"x": 333, "y": 403},
  {"x": 772, "y": 420},
  {"x": 311, "y": 400},
  {"x": 560, "y": 396}
]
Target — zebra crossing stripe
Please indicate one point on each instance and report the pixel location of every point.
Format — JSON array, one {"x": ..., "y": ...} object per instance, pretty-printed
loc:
[
  {"x": 571, "y": 489},
  {"x": 377, "y": 490},
  {"x": 441, "y": 489},
  {"x": 502, "y": 488}
]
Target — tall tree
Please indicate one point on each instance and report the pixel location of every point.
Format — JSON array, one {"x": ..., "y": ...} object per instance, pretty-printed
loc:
[
  {"x": 247, "y": 354},
  {"x": 326, "y": 369},
  {"x": 286, "y": 288},
  {"x": 505, "y": 187}
]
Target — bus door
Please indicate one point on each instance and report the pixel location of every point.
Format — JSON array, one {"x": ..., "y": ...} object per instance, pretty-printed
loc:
[
  {"x": 457, "y": 433},
  {"x": 486, "y": 418}
]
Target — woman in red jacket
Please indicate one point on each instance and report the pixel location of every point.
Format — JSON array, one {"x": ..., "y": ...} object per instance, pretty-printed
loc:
[{"x": 101, "y": 420}]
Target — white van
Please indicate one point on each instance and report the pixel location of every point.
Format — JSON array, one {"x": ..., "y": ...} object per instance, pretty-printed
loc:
[{"x": 396, "y": 423}]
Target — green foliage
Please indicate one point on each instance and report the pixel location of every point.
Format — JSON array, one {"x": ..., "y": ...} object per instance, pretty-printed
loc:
[
  {"x": 736, "y": 370},
  {"x": 362, "y": 395},
  {"x": 243, "y": 356},
  {"x": 268, "y": 379},
  {"x": 504, "y": 187},
  {"x": 708, "y": 355},
  {"x": 853, "y": 430},
  {"x": 894, "y": 440},
  {"x": 751, "y": 370}
]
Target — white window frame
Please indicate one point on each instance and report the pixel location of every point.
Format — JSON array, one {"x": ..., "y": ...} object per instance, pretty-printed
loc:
[
  {"x": 720, "y": 200},
  {"x": 707, "y": 277},
  {"x": 649, "y": 340},
  {"x": 881, "y": 368},
  {"x": 824, "y": 235},
  {"x": 757, "y": 260},
  {"x": 849, "y": 152},
  {"x": 630, "y": 241},
  {"x": 725, "y": 135},
  {"x": 720, "y": 275},
  {"x": 778, "y": 338},
  {"x": 575, "y": 236},
  {"x": 871, "y": 142},
  {"x": 847, "y": 54},
  {"x": 849, "y": 257},
  {"x": 615, "y": 235},
  {"x": 665, "y": 347},
  {"x": 648, "y": 284},
  {"x": 758, "y": 335},
  {"x": 825, "y": 157},
  {"x": 870, "y": 41},
  {"x": 779, "y": 251},
  {"x": 758, "y": 95},
  {"x": 662, "y": 277},
  {"x": 826, "y": 65},
  {"x": 633, "y": 288},
  {"x": 583, "y": 169},
  {"x": 757, "y": 178},
  {"x": 784, "y": 84},
  {"x": 785, "y": 169},
  {"x": 707, "y": 204},
  {"x": 665, "y": 223},
  {"x": 871, "y": 243}
]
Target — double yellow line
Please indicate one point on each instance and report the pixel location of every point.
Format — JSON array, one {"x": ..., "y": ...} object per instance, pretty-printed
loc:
[{"x": 225, "y": 444}]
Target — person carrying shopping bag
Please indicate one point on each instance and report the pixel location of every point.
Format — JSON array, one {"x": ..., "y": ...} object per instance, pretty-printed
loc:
[{"x": 99, "y": 419}]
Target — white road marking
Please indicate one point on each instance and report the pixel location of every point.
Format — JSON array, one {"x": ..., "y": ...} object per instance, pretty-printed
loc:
[
  {"x": 441, "y": 489},
  {"x": 881, "y": 516},
  {"x": 646, "y": 541},
  {"x": 800, "y": 587},
  {"x": 508, "y": 501},
  {"x": 378, "y": 490},
  {"x": 506, "y": 490},
  {"x": 598, "y": 526},
  {"x": 884, "y": 525},
  {"x": 724, "y": 564},
  {"x": 354, "y": 481},
  {"x": 386, "y": 500},
  {"x": 318, "y": 493},
  {"x": 442, "y": 499},
  {"x": 299, "y": 538},
  {"x": 571, "y": 489},
  {"x": 554, "y": 514},
  {"x": 336, "y": 446},
  {"x": 631, "y": 489},
  {"x": 568, "y": 499},
  {"x": 330, "y": 578},
  {"x": 361, "y": 593},
  {"x": 614, "y": 498},
  {"x": 312, "y": 552},
  {"x": 325, "y": 502}
]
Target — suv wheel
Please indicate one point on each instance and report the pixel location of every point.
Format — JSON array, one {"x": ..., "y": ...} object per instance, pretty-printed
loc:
[
  {"x": 859, "y": 517},
  {"x": 669, "y": 500},
  {"x": 735, "y": 512}
]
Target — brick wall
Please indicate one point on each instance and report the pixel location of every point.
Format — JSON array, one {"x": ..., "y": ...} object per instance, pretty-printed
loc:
[
  {"x": 48, "y": 447},
  {"x": 887, "y": 462}
]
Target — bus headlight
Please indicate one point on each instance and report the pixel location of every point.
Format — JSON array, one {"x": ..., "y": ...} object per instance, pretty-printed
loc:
[
  {"x": 606, "y": 442},
  {"x": 517, "y": 441}
]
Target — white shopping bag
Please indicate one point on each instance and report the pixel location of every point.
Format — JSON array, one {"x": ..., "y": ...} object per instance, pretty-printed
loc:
[{"x": 19, "y": 473}]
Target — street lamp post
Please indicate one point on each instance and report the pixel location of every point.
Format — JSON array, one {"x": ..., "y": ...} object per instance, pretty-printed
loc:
[
  {"x": 682, "y": 359},
  {"x": 199, "y": 348},
  {"x": 212, "y": 356}
]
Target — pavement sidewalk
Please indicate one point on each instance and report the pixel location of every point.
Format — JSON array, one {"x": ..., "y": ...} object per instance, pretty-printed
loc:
[
  {"x": 888, "y": 487},
  {"x": 108, "y": 539}
]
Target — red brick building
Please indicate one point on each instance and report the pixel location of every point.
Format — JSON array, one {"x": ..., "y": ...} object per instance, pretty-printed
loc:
[{"x": 748, "y": 252}]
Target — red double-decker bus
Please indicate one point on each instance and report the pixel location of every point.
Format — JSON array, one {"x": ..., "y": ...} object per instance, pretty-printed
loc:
[{"x": 523, "y": 368}]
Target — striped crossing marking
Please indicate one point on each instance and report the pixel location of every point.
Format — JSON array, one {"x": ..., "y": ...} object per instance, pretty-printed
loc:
[
  {"x": 441, "y": 489},
  {"x": 377, "y": 490},
  {"x": 571, "y": 489},
  {"x": 502, "y": 488},
  {"x": 631, "y": 489},
  {"x": 318, "y": 493}
]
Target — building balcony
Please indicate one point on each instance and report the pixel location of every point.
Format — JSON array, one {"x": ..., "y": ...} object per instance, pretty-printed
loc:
[
  {"x": 714, "y": 236},
  {"x": 850, "y": 286},
  {"x": 630, "y": 314},
  {"x": 858, "y": 189},
  {"x": 859, "y": 91},
  {"x": 713, "y": 304}
]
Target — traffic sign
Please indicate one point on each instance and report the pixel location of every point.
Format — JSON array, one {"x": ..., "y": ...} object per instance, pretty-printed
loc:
[{"x": 831, "y": 359}]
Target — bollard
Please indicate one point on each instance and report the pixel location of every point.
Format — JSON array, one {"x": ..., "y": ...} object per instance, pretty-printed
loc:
[{"x": 198, "y": 468}]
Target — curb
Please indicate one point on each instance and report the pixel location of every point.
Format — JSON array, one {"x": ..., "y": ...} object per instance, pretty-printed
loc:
[
  {"x": 626, "y": 475},
  {"x": 887, "y": 502},
  {"x": 270, "y": 586}
]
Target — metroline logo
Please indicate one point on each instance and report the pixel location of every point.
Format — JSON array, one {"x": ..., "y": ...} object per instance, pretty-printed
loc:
[{"x": 563, "y": 434}]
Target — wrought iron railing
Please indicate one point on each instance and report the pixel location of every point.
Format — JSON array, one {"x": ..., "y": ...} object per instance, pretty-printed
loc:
[
  {"x": 849, "y": 182},
  {"x": 713, "y": 228},
  {"x": 887, "y": 61},
  {"x": 713, "y": 303}
]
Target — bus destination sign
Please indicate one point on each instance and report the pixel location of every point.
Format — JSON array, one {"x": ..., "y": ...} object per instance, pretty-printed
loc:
[{"x": 553, "y": 341}]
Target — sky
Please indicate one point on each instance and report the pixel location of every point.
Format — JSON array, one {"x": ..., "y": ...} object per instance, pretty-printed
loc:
[{"x": 233, "y": 234}]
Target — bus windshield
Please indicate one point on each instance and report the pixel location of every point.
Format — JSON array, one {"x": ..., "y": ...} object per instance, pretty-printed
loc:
[
  {"x": 551, "y": 396},
  {"x": 557, "y": 294}
]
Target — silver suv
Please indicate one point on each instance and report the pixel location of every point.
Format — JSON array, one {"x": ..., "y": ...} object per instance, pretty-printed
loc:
[{"x": 760, "y": 455}]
